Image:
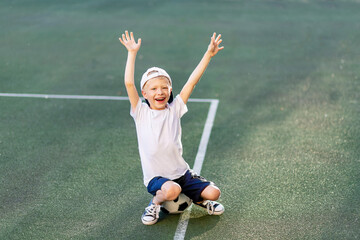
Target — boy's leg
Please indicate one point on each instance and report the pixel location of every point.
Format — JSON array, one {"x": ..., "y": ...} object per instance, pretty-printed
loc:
[
  {"x": 211, "y": 192},
  {"x": 202, "y": 192},
  {"x": 162, "y": 189},
  {"x": 169, "y": 191},
  {"x": 209, "y": 195}
]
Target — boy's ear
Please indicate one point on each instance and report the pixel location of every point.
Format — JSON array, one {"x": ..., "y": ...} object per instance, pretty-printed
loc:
[{"x": 143, "y": 93}]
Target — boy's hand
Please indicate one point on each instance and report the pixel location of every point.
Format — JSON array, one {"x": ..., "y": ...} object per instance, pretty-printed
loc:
[
  {"x": 214, "y": 48},
  {"x": 129, "y": 42}
]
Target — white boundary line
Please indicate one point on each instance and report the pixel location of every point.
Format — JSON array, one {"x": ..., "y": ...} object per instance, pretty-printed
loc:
[
  {"x": 46, "y": 96},
  {"x": 87, "y": 97},
  {"x": 200, "y": 156}
]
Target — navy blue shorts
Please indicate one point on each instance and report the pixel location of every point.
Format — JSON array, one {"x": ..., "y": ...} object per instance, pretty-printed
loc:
[{"x": 191, "y": 184}]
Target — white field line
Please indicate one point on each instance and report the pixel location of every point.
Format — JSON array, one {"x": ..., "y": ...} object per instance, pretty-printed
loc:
[
  {"x": 87, "y": 97},
  {"x": 200, "y": 156}
]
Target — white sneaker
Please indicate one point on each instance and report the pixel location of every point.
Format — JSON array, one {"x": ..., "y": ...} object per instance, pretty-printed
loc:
[
  {"x": 212, "y": 207},
  {"x": 151, "y": 214}
]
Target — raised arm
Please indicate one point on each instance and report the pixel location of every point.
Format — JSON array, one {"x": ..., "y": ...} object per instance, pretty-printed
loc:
[
  {"x": 195, "y": 76},
  {"x": 129, "y": 42}
]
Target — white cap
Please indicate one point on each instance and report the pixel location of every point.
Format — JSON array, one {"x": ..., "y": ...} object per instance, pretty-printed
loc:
[{"x": 153, "y": 73}]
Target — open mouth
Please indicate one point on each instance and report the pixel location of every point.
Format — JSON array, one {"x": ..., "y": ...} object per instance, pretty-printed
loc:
[{"x": 160, "y": 99}]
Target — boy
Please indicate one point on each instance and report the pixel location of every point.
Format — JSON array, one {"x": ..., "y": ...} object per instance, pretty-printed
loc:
[{"x": 166, "y": 174}]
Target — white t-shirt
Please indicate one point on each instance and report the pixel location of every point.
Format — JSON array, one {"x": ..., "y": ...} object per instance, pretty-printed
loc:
[{"x": 159, "y": 139}]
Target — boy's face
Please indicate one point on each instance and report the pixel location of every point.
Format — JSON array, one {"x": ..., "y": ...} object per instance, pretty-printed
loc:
[{"x": 157, "y": 92}]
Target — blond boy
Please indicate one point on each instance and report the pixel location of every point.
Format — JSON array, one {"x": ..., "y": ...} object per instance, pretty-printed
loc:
[{"x": 166, "y": 174}]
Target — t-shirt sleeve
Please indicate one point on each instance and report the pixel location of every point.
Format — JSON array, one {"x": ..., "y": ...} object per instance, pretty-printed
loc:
[
  {"x": 136, "y": 111},
  {"x": 180, "y": 106}
]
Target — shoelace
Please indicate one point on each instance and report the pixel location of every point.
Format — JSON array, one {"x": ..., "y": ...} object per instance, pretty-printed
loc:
[
  {"x": 153, "y": 209},
  {"x": 210, "y": 207}
]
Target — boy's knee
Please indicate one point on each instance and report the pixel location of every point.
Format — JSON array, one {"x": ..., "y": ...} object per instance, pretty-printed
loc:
[
  {"x": 215, "y": 193},
  {"x": 211, "y": 193},
  {"x": 171, "y": 190}
]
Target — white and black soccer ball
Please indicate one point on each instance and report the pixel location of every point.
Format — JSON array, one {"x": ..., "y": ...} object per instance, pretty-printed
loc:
[{"x": 176, "y": 206}]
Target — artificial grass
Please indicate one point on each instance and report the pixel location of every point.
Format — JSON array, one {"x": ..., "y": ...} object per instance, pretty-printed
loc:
[{"x": 284, "y": 147}]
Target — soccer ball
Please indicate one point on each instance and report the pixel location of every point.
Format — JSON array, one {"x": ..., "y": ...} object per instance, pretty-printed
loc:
[{"x": 176, "y": 206}]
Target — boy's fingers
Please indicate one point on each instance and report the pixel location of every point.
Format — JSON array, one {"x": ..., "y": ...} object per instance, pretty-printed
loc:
[
  {"x": 131, "y": 35},
  {"x": 127, "y": 35},
  {"x": 212, "y": 37},
  {"x": 218, "y": 37},
  {"x": 139, "y": 41}
]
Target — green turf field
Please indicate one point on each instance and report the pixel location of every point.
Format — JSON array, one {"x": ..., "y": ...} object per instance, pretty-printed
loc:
[{"x": 284, "y": 148}]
